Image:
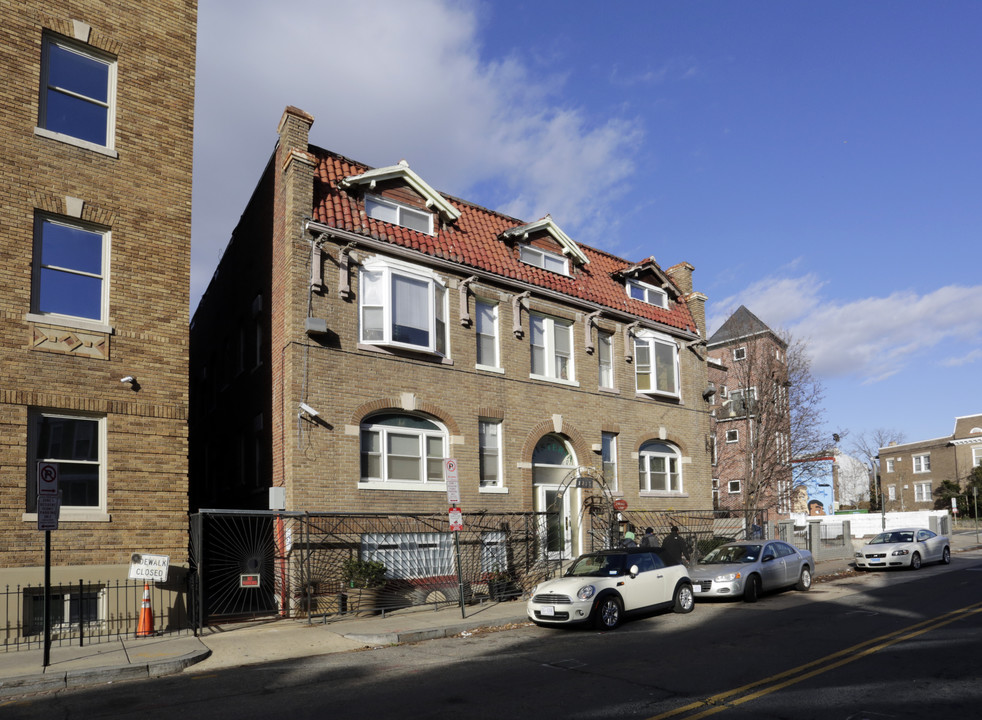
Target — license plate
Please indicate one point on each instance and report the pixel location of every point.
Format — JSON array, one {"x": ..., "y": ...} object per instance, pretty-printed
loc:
[
  {"x": 873, "y": 561},
  {"x": 547, "y": 610},
  {"x": 697, "y": 588}
]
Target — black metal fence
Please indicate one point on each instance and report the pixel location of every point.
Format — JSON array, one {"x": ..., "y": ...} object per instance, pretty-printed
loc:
[
  {"x": 90, "y": 612},
  {"x": 329, "y": 565}
]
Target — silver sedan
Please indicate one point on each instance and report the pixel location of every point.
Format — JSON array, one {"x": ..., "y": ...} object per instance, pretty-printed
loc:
[
  {"x": 904, "y": 547},
  {"x": 746, "y": 569}
]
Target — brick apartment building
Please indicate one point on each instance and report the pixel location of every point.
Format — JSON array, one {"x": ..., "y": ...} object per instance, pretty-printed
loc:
[
  {"x": 911, "y": 472},
  {"x": 95, "y": 218},
  {"x": 362, "y": 327},
  {"x": 751, "y": 416}
]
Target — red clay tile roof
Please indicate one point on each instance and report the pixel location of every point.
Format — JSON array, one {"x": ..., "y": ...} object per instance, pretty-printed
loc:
[{"x": 473, "y": 242}]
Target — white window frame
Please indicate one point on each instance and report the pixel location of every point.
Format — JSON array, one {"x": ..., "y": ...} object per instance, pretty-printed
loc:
[
  {"x": 65, "y": 597},
  {"x": 672, "y": 469},
  {"x": 608, "y": 458},
  {"x": 90, "y": 54},
  {"x": 490, "y": 455},
  {"x": 732, "y": 436},
  {"x": 739, "y": 354},
  {"x": 976, "y": 456},
  {"x": 890, "y": 465},
  {"x": 891, "y": 492},
  {"x": 605, "y": 359},
  {"x": 384, "y": 432},
  {"x": 82, "y": 513},
  {"x": 547, "y": 328},
  {"x": 922, "y": 491},
  {"x": 733, "y": 487},
  {"x": 646, "y": 293},
  {"x": 489, "y": 334},
  {"x": 436, "y": 312},
  {"x": 921, "y": 463},
  {"x": 650, "y": 342},
  {"x": 385, "y": 210},
  {"x": 537, "y": 257},
  {"x": 99, "y": 324}
]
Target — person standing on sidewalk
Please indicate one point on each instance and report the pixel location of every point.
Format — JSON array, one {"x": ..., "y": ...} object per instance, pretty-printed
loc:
[{"x": 674, "y": 548}]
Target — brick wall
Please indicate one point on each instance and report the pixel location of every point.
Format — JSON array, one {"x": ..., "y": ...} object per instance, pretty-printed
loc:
[{"x": 141, "y": 194}]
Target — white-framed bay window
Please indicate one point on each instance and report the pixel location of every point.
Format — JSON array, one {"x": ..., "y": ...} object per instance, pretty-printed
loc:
[
  {"x": 77, "y": 444},
  {"x": 551, "y": 342},
  {"x": 402, "y": 305},
  {"x": 656, "y": 363},
  {"x": 400, "y": 451},
  {"x": 659, "y": 465}
]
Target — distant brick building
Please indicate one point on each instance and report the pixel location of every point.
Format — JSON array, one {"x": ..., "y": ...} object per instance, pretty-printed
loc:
[
  {"x": 751, "y": 416},
  {"x": 362, "y": 327},
  {"x": 911, "y": 472},
  {"x": 96, "y": 128}
]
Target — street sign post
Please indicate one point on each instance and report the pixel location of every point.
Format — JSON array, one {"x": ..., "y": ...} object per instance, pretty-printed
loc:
[
  {"x": 49, "y": 508},
  {"x": 453, "y": 481}
]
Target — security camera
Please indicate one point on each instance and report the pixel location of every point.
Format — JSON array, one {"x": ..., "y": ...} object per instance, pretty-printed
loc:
[
  {"x": 127, "y": 379},
  {"x": 309, "y": 410}
]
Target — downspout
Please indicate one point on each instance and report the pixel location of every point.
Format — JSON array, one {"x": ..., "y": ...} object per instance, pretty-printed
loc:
[
  {"x": 588, "y": 331},
  {"x": 516, "y": 314},
  {"x": 465, "y": 318}
]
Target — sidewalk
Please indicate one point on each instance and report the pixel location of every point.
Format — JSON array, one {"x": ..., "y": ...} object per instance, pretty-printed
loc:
[{"x": 249, "y": 643}]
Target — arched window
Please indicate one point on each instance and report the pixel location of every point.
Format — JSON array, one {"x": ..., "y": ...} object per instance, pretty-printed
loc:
[
  {"x": 402, "y": 450},
  {"x": 659, "y": 467},
  {"x": 552, "y": 460}
]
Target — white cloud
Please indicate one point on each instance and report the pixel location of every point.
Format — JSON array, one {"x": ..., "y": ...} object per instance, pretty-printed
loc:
[
  {"x": 388, "y": 81},
  {"x": 870, "y": 338}
]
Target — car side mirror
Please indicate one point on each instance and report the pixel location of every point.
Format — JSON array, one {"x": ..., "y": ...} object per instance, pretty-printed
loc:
[
  {"x": 767, "y": 558},
  {"x": 634, "y": 571}
]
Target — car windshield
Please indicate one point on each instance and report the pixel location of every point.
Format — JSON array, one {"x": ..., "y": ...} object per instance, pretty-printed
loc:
[
  {"x": 597, "y": 566},
  {"x": 893, "y": 537},
  {"x": 732, "y": 554}
]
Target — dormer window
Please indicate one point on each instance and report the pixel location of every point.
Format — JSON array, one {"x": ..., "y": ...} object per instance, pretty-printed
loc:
[
  {"x": 397, "y": 214},
  {"x": 545, "y": 260},
  {"x": 647, "y": 293}
]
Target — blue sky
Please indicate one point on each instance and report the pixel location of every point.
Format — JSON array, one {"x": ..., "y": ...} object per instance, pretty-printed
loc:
[{"x": 820, "y": 163}]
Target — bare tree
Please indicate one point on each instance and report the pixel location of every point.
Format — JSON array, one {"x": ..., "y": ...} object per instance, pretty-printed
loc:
[
  {"x": 771, "y": 412},
  {"x": 866, "y": 444}
]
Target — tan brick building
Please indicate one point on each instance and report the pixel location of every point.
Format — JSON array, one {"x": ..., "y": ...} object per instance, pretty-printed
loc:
[
  {"x": 96, "y": 129},
  {"x": 911, "y": 472},
  {"x": 362, "y": 327}
]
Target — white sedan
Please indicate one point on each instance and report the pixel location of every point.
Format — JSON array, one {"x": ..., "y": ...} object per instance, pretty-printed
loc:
[{"x": 904, "y": 547}]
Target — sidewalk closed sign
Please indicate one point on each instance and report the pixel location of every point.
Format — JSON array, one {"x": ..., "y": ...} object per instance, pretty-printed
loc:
[{"x": 149, "y": 568}]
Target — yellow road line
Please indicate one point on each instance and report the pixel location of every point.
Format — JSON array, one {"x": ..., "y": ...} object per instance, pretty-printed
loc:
[{"x": 738, "y": 696}]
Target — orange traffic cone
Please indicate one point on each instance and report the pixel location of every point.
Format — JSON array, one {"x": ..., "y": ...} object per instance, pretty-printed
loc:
[{"x": 145, "y": 628}]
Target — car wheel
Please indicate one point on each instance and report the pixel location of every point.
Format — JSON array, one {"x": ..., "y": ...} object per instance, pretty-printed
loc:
[
  {"x": 752, "y": 591},
  {"x": 608, "y": 613},
  {"x": 684, "y": 599},
  {"x": 946, "y": 556},
  {"x": 915, "y": 561},
  {"x": 804, "y": 580}
]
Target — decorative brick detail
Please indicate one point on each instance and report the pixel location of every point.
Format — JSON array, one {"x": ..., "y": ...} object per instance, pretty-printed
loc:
[{"x": 70, "y": 342}]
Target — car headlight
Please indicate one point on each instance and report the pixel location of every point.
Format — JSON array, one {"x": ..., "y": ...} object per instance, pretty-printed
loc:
[
  {"x": 729, "y": 577},
  {"x": 901, "y": 552},
  {"x": 535, "y": 590},
  {"x": 586, "y": 592},
  {"x": 859, "y": 554}
]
